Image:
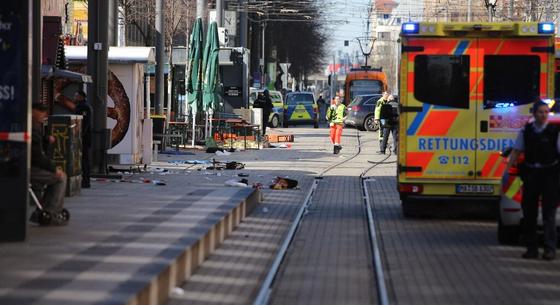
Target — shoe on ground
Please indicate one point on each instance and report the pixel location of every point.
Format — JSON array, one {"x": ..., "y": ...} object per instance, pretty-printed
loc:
[
  {"x": 530, "y": 254},
  {"x": 86, "y": 185},
  {"x": 380, "y": 152},
  {"x": 337, "y": 149},
  {"x": 549, "y": 255}
]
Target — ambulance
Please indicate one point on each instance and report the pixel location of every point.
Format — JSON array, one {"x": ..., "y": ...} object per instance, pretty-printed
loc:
[{"x": 466, "y": 90}]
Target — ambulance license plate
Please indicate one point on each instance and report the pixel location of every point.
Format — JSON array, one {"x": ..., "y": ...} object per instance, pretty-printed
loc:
[{"x": 474, "y": 189}]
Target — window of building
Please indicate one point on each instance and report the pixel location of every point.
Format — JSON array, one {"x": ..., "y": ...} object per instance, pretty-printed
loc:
[
  {"x": 442, "y": 80},
  {"x": 384, "y": 36}
]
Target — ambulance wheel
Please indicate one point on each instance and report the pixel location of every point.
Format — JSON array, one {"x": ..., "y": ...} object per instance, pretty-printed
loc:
[
  {"x": 508, "y": 235},
  {"x": 275, "y": 121},
  {"x": 316, "y": 124},
  {"x": 65, "y": 214},
  {"x": 44, "y": 218},
  {"x": 369, "y": 124}
]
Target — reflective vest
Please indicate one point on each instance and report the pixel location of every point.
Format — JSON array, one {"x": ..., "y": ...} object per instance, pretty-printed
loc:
[{"x": 336, "y": 115}]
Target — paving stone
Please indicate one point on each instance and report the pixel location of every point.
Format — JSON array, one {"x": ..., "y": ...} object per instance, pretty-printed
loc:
[{"x": 439, "y": 261}]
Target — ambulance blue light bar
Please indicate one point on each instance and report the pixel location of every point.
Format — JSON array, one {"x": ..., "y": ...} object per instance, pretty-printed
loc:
[
  {"x": 546, "y": 28},
  {"x": 411, "y": 28}
]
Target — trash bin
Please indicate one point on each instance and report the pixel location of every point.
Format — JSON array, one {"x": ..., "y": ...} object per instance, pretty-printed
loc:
[
  {"x": 66, "y": 152},
  {"x": 159, "y": 129}
]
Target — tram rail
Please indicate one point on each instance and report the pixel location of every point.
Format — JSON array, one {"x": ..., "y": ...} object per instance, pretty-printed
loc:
[{"x": 265, "y": 291}]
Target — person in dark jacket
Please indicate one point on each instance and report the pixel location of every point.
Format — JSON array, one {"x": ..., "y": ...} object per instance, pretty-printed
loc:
[
  {"x": 322, "y": 104},
  {"x": 43, "y": 170},
  {"x": 81, "y": 107},
  {"x": 540, "y": 143},
  {"x": 266, "y": 109}
]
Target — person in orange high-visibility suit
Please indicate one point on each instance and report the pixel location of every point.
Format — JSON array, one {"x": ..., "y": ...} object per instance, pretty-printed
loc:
[{"x": 335, "y": 116}]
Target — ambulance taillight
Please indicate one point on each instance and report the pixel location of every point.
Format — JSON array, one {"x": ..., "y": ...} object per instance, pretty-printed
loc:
[{"x": 411, "y": 188}]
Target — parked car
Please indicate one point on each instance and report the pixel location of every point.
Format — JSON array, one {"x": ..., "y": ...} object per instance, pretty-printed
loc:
[
  {"x": 361, "y": 112},
  {"x": 511, "y": 216},
  {"x": 277, "y": 115},
  {"x": 301, "y": 107}
]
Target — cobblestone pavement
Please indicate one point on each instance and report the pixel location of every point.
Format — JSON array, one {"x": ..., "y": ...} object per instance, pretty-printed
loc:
[
  {"x": 233, "y": 274},
  {"x": 437, "y": 261},
  {"x": 329, "y": 261}
]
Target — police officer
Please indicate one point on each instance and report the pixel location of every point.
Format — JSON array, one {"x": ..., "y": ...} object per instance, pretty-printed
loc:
[
  {"x": 389, "y": 124},
  {"x": 540, "y": 143},
  {"x": 377, "y": 117}
]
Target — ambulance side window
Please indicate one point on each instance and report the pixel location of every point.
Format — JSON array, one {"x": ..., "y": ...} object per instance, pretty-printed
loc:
[
  {"x": 442, "y": 80},
  {"x": 511, "y": 80}
]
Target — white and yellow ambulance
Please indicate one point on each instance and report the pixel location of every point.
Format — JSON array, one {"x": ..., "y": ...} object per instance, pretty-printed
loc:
[{"x": 466, "y": 90}]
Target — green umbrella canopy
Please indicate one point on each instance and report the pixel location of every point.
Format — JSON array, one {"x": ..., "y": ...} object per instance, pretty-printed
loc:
[
  {"x": 194, "y": 71},
  {"x": 210, "y": 85}
]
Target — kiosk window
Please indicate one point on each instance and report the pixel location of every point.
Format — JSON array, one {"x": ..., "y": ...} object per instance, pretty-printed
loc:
[
  {"x": 511, "y": 80},
  {"x": 442, "y": 80}
]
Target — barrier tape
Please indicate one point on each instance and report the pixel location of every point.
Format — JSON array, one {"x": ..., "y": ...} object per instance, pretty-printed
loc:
[{"x": 15, "y": 136}]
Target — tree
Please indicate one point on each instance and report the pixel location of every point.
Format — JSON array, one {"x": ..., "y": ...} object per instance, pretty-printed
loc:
[
  {"x": 140, "y": 15},
  {"x": 294, "y": 29}
]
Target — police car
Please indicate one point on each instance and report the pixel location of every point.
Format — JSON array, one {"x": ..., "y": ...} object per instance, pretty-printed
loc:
[
  {"x": 511, "y": 214},
  {"x": 301, "y": 107}
]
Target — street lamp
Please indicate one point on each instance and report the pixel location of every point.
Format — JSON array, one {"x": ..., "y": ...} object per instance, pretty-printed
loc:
[{"x": 491, "y": 7}]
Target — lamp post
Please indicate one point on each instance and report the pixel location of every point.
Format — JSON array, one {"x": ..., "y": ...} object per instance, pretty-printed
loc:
[{"x": 491, "y": 7}]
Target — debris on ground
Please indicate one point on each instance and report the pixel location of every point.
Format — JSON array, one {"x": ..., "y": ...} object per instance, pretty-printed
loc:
[
  {"x": 237, "y": 183},
  {"x": 191, "y": 162},
  {"x": 177, "y": 292},
  {"x": 223, "y": 153},
  {"x": 243, "y": 175},
  {"x": 217, "y": 165},
  {"x": 177, "y": 153},
  {"x": 280, "y": 183}
]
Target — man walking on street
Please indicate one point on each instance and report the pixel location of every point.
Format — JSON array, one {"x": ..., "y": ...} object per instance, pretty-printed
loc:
[
  {"x": 43, "y": 171},
  {"x": 540, "y": 143},
  {"x": 81, "y": 107},
  {"x": 377, "y": 117}
]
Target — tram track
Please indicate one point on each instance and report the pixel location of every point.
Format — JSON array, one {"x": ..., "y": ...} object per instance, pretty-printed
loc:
[{"x": 265, "y": 291}]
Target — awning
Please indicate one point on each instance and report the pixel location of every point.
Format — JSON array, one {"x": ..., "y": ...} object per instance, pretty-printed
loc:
[
  {"x": 117, "y": 55},
  {"x": 48, "y": 71}
]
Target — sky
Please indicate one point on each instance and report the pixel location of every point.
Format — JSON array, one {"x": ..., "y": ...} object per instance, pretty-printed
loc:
[{"x": 347, "y": 19}]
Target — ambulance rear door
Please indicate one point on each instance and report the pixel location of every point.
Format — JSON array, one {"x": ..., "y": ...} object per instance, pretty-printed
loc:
[
  {"x": 439, "y": 109},
  {"x": 514, "y": 72}
]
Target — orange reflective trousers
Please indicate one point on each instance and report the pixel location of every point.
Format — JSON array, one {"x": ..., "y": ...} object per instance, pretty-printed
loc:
[{"x": 336, "y": 133}]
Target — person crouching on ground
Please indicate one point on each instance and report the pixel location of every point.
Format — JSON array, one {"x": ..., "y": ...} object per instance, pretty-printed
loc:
[
  {"x": 335, "y": 116},
  {"x": 540, "y": 174},
  {"x": 43, "y": 170}
]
